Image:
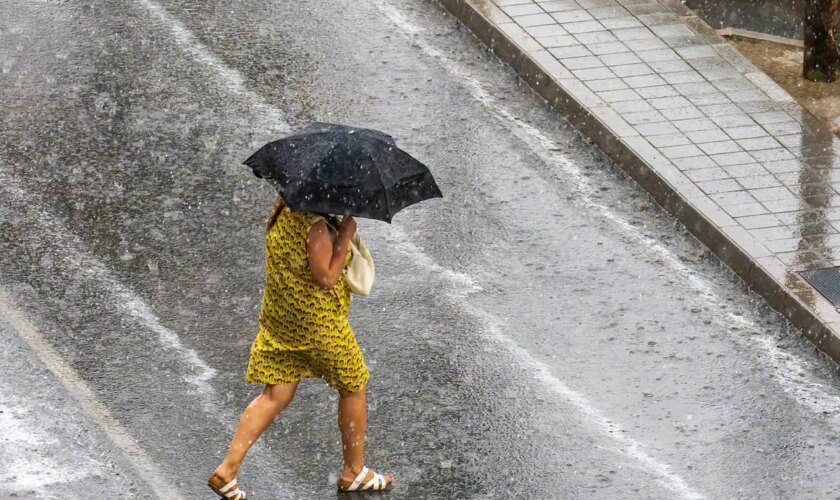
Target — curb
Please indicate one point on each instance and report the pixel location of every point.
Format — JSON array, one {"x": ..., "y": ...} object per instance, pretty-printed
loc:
[{"x": 483, "y": 19}]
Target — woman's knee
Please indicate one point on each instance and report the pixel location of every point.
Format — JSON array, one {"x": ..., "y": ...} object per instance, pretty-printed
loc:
[{"x": 280, "y": 395}]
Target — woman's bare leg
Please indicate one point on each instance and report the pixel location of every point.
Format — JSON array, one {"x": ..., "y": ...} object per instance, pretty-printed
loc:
[
  {"x": 352, "y": 421},
  {"x": 254, "y": 421}
]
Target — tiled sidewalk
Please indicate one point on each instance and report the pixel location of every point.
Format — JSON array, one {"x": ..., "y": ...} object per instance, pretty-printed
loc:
[{"x": 713, "y": 139}]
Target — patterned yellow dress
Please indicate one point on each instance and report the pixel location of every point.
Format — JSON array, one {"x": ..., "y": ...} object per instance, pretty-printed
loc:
[{"x": 303, "y": 328}]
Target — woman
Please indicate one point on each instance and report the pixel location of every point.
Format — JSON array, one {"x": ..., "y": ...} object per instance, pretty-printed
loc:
[{"x": 304, "y": 333}]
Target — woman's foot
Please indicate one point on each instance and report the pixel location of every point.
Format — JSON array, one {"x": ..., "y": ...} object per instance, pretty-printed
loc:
[
  {"x": 223, "y": 482},
  {"x": 364, "y": 480}
]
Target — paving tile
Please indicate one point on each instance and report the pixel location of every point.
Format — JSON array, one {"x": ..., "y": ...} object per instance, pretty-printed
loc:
[
  {"x": 619, "y": 59},
  {"x": 602, "y": 13},
  {"x": 638, "y": 82},
  {"x": 759, "y": 143},
  {"x": 758, "y": 221},
  {"x": 550, "y": 42},
  {"x": 670, "y": 66},
  {"x": 710, "y": 98},
  {"x": 731, "y": 121},
  {"x": 690, "y": 89},
  {"x": 765, "y": 155},
  {"x": 791, "y": 140},
  {"x": 576, "y": 57},
  {"x": 719, "y": 186},
  {"x": 660, "y": 19},
  {"x": 670, "y": 30},
  {"x": 744, "y": 96},
  {"x": 559, "y": 6},
  {"x": 502, "y": 3},
  {"x": 614, "y": 23},
  {"x": 591, "y": 4},
  {"x": 733, "y": 84},
  {"x": 713, "y": 148},
  {"x": 596, "y": 37},
  {"x": 697, "y": 162},
  {"x": 645, "y": 8},
  {"x": 522, "y": 9},
  {"x": 682, "y": 113},
  {"x": 758, "y": 107},
  {"x": 745, "y": 209},
  {"x": 759, "y": 181},
  {"x": 714, "y": 74},
  {"x": 545, "y": 30},
  {"x": 729, "y": 159},
  {"x": 593, "y": 74},
  {"x": 647, "y": 44},
  {"x": 772, "y": 194},
  {"x": 782, "y": 246},
  {"x": 683, "y": 77},
  {"x": 534, "y": 20},
  {"x": 669, "y": 102},
  {"x": 631, "y": 107},
  {"x": 680, "y": 41},
  {"x": 630, "y": 34},
  {"x": 780, "y": 206},
  {"x": 701, "y": 136},
  {"x": 771, "y": 117},
  {"x": 723, "y": 109},
  {"x": 739, "y": 171},
  {"x": 618, "y": 95},
  {"x": 608, "y": 84},
  {"x": 696, "y": 51},
  {"x": 659, "y": 92},
  {"x": 706, "y": 174},
  {"x": 660, "y": 141},
  {"x": 631, "y": 70},
  {"x": 781, "y": 128},
  {"x": 572, "y": 16},
  {"x": 747, "y": 132},
  {"x": 612, "y": 48},
  {"x": 694, "y": 125},
  {"x": 685, "y": 151},
  {"x": 773, "y": 233},
  {"x": 644, "y": 117},
  {"x": 648, "y": 129},
  {"x": 652, "y": 56},
  {"x": 583, "y": 27}
]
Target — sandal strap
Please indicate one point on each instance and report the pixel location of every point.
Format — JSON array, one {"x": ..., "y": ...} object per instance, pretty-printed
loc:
[
  {"x": 377, "y": 483},
  {"x": 356, "y": 482},
  {"x": 232, "y": 492}
]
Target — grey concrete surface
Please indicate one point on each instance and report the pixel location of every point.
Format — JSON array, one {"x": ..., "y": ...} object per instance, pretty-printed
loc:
[{"x": 544, "y": 331}]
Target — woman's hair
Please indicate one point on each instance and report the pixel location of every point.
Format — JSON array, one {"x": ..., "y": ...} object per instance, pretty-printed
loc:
[{"x": 275, "y": 212}]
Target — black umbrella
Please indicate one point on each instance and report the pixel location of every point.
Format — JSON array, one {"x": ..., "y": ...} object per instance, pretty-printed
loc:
[{"x": 336, "y": 169}]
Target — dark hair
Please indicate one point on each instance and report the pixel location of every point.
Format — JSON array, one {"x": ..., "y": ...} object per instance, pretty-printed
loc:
[{"x": 275, "y": 212}]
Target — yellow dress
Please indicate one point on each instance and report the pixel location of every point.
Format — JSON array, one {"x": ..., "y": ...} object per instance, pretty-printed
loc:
[{"x": 303, "y": 328}]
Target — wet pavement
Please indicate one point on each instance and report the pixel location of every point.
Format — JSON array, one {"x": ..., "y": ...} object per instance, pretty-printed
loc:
[{"x": 544, "y": 331}]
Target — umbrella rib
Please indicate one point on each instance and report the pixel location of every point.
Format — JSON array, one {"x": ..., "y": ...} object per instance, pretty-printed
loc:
[{"x": 387, "y": 198}]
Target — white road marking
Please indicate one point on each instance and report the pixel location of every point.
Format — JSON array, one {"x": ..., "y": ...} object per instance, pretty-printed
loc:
[
  {"x": 77, "y": 387},
  {"x": 788, "y": 370}
]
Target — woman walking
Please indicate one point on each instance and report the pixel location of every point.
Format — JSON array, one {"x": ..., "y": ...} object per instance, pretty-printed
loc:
[
  {"x": 303, "y": 327},
  {"x": 304, "y": 333}
]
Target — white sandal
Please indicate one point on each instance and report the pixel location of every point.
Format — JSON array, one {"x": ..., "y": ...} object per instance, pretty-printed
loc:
[
  {"x": 229, "y": 491},
  {"x": 378, "y": 483}
]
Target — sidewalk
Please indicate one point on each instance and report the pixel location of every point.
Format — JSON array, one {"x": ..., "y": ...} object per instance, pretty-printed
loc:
[{"x": 713, "y": 139}]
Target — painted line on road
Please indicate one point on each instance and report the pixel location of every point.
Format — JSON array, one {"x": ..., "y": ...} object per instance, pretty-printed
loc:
[
  {"x": 77, "y": 387},
  {"x": 787, "y": 369}
]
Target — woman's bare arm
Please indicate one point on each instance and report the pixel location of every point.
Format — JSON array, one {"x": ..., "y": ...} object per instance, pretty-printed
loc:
[{"x": 326, "y": 260}]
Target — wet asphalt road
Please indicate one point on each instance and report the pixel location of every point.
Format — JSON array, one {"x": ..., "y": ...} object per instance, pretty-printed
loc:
[{"x": 541, "y": 332}]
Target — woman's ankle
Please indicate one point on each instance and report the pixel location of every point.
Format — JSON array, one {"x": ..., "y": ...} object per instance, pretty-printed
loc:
[
  {"x": 227, "y": 471},
  {"x": 352, "y": 469}
]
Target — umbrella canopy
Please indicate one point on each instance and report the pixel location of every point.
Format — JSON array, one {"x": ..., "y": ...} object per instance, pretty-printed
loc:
[{"x": 336, "y": 169}]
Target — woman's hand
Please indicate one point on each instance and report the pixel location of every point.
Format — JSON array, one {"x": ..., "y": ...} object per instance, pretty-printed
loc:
[{"x": 348, "y": 226}]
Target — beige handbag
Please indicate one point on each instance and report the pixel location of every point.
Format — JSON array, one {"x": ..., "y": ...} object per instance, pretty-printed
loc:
[{"x": 360, "y": 272}]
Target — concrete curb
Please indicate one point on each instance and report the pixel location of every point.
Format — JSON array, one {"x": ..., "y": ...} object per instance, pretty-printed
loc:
[{"x": 638, "y": 158}]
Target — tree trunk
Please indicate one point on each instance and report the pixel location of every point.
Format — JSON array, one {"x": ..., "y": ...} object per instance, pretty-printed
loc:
[{"x": 822, "y": 61}]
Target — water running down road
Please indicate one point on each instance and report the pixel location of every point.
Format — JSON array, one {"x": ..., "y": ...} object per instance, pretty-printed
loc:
[{"x": 611, "y": 358}]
